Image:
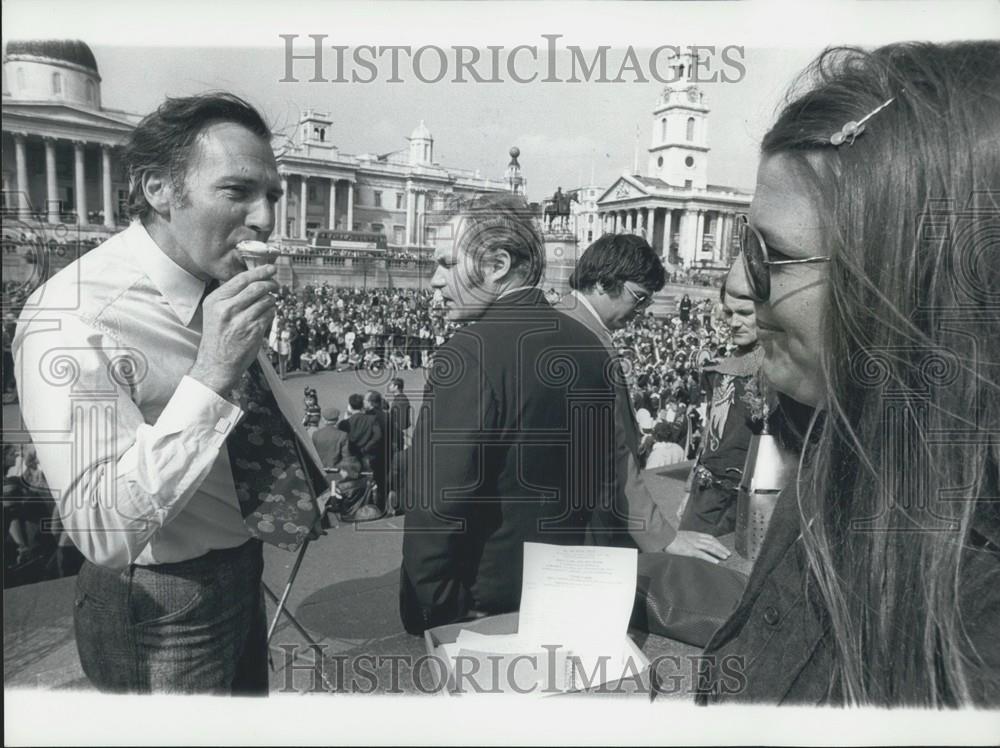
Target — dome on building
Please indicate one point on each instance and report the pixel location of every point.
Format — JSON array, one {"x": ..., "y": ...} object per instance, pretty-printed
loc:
[
  {"x": 420, "y": 132},
  {"x": 53, "y": 70},
  {"x": 62, "y": 50}
]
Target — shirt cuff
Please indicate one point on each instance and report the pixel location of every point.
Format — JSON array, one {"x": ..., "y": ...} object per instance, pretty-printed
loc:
[{"x": 199, "y": 407}]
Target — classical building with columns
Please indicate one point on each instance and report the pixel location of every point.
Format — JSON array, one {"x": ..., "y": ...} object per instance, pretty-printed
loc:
[
  {"x": 688, "y": 222},
  {"x": 61, "y": 163},
  {"x": 392, "y": 197},
  {"x": 64, "y": 187}
]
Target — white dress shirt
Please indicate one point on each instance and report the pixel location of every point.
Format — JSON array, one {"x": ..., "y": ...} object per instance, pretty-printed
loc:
[{"x": 132, "y": 448}]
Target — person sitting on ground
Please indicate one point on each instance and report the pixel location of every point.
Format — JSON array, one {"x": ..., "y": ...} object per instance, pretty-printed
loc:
[
  {"x": 323, "y": 360},
  {"x": 665, "y": 450},
  {"x": 307, "y": 361},
  {"x": 343, "y": 360}
]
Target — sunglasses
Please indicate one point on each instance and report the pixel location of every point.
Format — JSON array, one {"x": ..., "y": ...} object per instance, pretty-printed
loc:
[
  {"x": 641, "y": 300},
  {"x": 756, "y": 263}
]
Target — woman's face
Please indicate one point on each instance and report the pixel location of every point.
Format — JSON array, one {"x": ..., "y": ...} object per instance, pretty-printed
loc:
[{"x": 788, "y": 323}]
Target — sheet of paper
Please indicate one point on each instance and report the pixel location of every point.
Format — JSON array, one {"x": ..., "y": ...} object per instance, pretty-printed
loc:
[
  {"x": 502, "y": 663},
  {"x": 580, "y": 597}
]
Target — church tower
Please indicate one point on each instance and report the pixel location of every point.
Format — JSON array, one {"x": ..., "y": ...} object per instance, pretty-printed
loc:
[
  {"x": 679, "y": 151},
  {"x": 315, "y": 134}
]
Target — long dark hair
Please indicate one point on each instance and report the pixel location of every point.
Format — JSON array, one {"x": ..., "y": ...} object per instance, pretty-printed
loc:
[{"x": 888, "y": 491}]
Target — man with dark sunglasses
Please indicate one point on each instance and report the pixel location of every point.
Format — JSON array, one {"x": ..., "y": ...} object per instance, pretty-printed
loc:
[{"x": 615, "y": 279}]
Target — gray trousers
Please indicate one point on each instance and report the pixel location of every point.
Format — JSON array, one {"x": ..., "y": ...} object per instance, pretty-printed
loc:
[{"x": 196, "y": 626}]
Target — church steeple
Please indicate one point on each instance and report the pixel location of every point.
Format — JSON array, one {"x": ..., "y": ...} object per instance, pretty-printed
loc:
[{"x": 678, "y": 153}]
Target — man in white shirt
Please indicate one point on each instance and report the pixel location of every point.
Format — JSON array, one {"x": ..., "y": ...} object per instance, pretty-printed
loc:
[
  {"x": 614, "y": 279},
  {"x": 127, "y": 361}
]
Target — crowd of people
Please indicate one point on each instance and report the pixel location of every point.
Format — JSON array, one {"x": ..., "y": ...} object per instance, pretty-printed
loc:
[
  {"x": 665, "y": 359},
  {"x": 323, "y": 328}
]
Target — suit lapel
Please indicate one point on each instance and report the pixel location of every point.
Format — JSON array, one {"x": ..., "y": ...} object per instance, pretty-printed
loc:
[{"x": 572, "y": 307}]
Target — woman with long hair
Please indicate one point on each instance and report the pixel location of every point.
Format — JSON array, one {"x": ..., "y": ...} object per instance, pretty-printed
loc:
[{"x": 873, "y": 249}]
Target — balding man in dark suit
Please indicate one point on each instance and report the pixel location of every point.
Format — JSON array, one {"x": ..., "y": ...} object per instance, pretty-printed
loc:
[{"x": 504, "y": 450}]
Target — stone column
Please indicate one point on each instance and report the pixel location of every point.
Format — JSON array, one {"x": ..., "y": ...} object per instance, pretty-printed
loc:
[
  {"x": 23, "y": 203},
  {"x": 685, "y": 248},
  {"x": 350, "y": 206},
  {"x": 408, "y": 239},
  {"x": 283, "y": 209},
  {"x": 331, "y": 219},
  {"x": 106, "y": 198},
  {"x": 421, "y": 217},
  {"x": 303, "y": 204},
  {"x": 668, "y": 235},
  {"x": 699, "y": 233},
  {"x": 51, "y": 187},
  {"x": 727, "y": 235},
  {"x": 719, "y": 226},
  {"x": 81, "y": 183}
]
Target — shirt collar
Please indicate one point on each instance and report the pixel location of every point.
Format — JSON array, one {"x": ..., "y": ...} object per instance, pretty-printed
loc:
[
  {"x": 182, "y": 290},
  {"x": 510, "y": 291},
  {"x": 590, "y": 308}
]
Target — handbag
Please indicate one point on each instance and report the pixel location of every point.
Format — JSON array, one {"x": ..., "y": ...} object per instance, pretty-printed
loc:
[{"x": 684, "y": 598}]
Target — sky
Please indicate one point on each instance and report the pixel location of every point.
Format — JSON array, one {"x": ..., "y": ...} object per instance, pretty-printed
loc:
[{"x": 567, "y": 132}]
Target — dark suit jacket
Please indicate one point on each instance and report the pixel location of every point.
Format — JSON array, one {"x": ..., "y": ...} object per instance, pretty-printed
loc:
[
  {"x": 364, "y": 434},
  {"x": 332, "y": 445},
  {"x": 638, "y": 519},
  {"x": 779, "y": 648},
  {"x": 504, "y": 452}
]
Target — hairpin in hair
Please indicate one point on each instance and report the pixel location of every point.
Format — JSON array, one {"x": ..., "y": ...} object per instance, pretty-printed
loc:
[{"x": 852, "y": 129}]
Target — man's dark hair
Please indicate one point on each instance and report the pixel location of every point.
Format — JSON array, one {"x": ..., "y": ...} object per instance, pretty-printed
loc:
[
  {"x": 493, "y": 221},
  {"x": 356, "y": 401},
  {"x": 397, "y": 382},
  {"x": 616, "y": 258},
  {"x": 162, "y": 142}
]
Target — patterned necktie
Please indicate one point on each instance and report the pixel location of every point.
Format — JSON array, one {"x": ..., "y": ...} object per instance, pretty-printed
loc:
[{"x": 279, "y": 481}]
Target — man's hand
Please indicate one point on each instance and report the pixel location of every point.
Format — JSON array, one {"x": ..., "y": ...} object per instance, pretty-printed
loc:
[
  {"x": 236, "y": 318},
  {"x": 698, "y": 545}
]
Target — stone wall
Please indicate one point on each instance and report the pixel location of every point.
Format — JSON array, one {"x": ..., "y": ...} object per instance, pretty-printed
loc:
[{"x": 297, "y": 271}]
